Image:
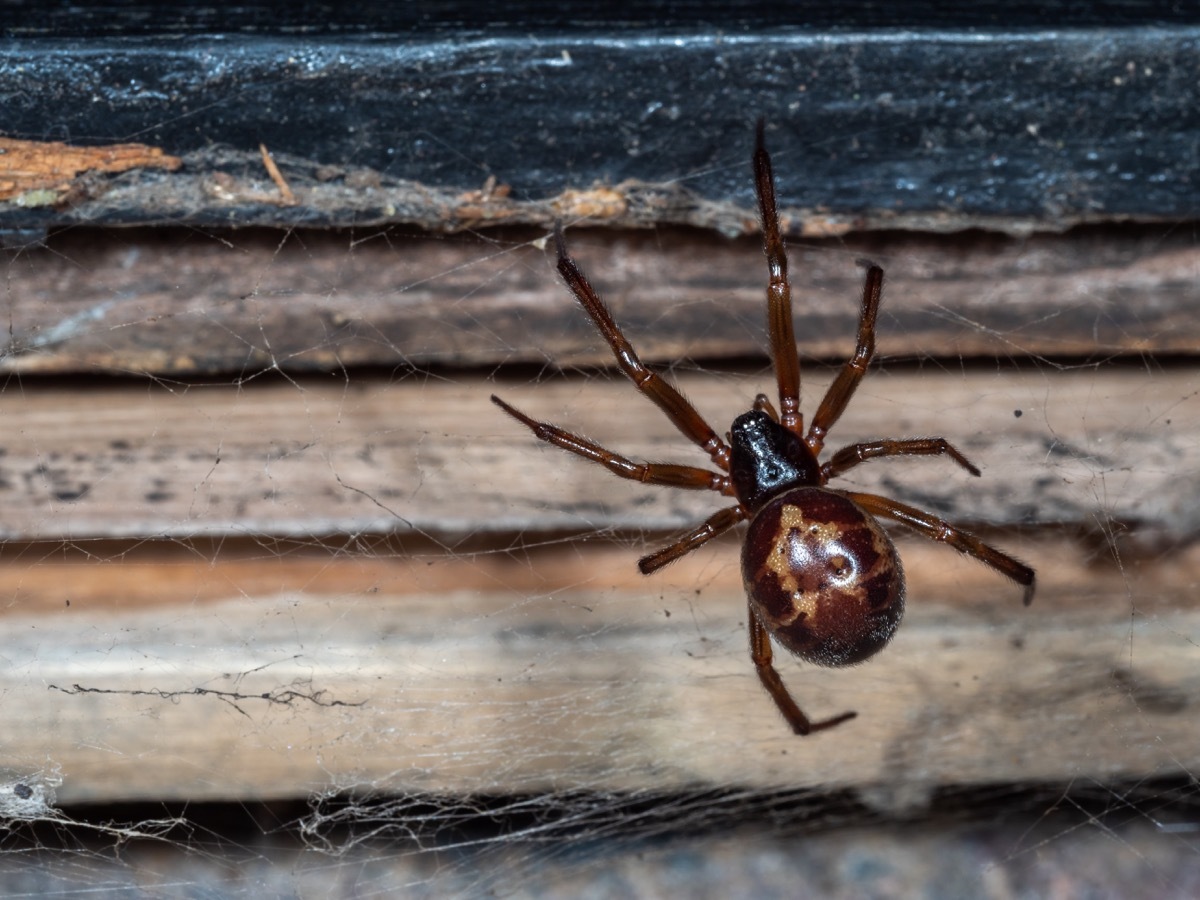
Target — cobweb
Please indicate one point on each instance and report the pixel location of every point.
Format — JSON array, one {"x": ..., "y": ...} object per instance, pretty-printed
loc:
[{"x": 309, "y": 616}]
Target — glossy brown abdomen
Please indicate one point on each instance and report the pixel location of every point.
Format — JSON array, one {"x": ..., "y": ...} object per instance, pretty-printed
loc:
[{"x": 823, "y": 576}]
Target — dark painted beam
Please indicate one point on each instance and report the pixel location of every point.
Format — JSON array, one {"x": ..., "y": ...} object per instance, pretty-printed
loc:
[{"x": 1006, "y": 117}]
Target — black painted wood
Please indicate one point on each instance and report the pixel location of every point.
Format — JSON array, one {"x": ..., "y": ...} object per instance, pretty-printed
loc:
[{"x": 1046, "y": 115}]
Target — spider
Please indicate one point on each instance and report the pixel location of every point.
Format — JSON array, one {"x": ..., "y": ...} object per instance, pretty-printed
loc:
[{"x": 821, "y": 575}]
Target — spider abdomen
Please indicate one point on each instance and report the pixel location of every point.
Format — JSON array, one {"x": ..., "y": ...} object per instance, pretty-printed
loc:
[{"x": 824, "y": 576}]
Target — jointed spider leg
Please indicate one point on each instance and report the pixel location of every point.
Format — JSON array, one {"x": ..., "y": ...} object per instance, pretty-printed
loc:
[
  {"x": 939, "y": 530},
  {"x": 684, "y": 416},
  {"x": 650, "y": 473},
  {"x": 851, "y": 456},
  {"x": 833, "y": 404},
  {"x": 779, "y": 293},
  {"x": 718, "y": 523},
  {"x": 760, "y": 652}
]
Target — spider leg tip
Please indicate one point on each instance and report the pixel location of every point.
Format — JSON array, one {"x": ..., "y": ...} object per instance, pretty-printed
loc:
[
  {"x": 511, "y": 410},
  {"x": 812, "y": 728}
]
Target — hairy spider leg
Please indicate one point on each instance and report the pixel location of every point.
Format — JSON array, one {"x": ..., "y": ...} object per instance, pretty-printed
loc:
[
  {"x": 779, "y": 293},
  {"x": 760, "y": 653},
  {"x": 851, "y": 456},
  {"x": 668, "y": 474},
  {"x": 939, "y": 530},
  {"x": 682, "y": 414},
  {"x": 834, "y": 403},
  {"x": 718, "y": 523}
]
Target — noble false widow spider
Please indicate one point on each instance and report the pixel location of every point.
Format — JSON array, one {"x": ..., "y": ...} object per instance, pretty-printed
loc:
[{"x": 821, "y": 576}]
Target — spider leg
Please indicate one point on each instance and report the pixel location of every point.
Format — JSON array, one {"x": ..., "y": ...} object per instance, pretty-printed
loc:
[
  {"x": 851, "y": 456},
  {"x": 833, "y": 404},
  {"x": 666, "y": 474},
  {"x": 779, "y": 293},
  {"x": 760, "y": 652},
  {"x": 939, "y": 530},
  {"x": 718, "y": 523},
  {"x": 682, "y": 414}
]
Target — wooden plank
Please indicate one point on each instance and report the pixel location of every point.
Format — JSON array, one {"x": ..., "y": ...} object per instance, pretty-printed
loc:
[
  {"x": 182, "y": 672},
  {"x": 901, "y": 118},
  {"x": 1080, "y": 447},
  {"x": 178, "y": 304}
]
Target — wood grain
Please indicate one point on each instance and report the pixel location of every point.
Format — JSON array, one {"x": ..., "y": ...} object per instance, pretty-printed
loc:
[
  {"x": 249, "y": 303},
  {"x": 264, "y": 590},
  {"x": 316, "y": 458},
  {"x": 561, "y": 670}
]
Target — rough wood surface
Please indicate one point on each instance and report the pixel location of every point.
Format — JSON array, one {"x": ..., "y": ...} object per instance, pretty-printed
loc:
[
  {"x": 318, "y": 458},
  {"x": 923, "y": 118},
  {"x": 562, "y": 669},
  {"x": 184, "y": 304},
  {"x": 57, "y": 170},
  {"x": 266, "y": 590}
]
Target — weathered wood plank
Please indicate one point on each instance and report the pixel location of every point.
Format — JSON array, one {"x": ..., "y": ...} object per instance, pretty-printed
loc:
[
  {"x": 173, "y": 303},
  {"x": 1090, "y": 446},
  {"x": 995, "y": 117},
  {"x": 242, "y": 675}
]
